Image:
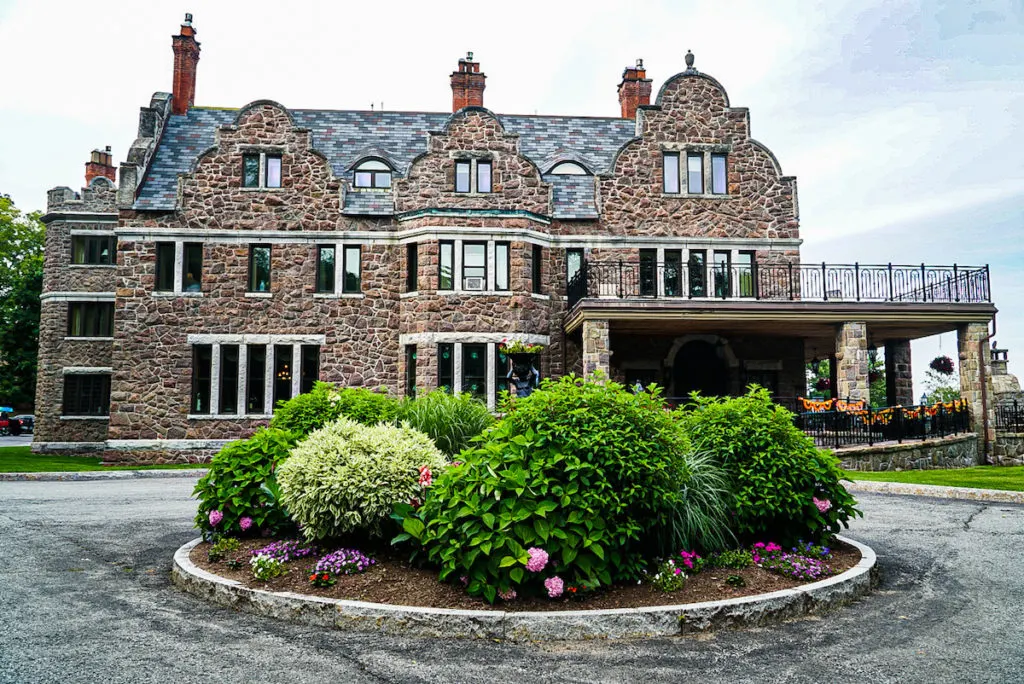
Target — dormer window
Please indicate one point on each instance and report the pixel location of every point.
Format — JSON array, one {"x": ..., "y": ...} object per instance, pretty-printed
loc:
[
  {"x": 372, "y": 173},
  {"x": 568, "y": 169},
  {"x": 261, "y": 170}
]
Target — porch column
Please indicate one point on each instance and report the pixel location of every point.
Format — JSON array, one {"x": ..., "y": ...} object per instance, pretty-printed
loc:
[
  {"x": 899, "y": 378},
  {"x": 596, "y": 348},
  {"x": 976, "y": 381},
  {"x": 852, "y": 361}
]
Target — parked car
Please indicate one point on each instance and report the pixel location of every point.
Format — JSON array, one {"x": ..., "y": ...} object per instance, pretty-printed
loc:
[{"x": 28, "y": 422}]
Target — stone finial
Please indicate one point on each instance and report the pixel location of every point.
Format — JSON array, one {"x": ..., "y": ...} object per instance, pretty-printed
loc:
[{"x": 689, "y": 59}]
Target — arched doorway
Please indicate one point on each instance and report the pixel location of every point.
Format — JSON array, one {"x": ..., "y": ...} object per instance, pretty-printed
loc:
[{"x": 698, "y": 367}]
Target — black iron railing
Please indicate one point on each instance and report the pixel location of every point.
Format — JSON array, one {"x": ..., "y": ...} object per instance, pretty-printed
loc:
[
  {"x": 781, "y": 282},
  {"x": 849, "y": 424},
  {"x": 1010, "y": 416}
]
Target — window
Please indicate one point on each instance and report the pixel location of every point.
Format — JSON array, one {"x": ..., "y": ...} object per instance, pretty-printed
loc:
[
  {"x": 722, "y": 268},
  {"x": 256, "y": 378},
  {"x": 746, "y": 274},
  {"x": 698, "y": 272},
  {"x": 412, "y": 266},
  {"x": 325, "y": 268},
  {"x": 474, "y": 370},
  {"x": 86, "y": 395},
  {"x": 228, "y": 398},
  {"x": 673, "y": 272},
  {"x": 568, "y": 169},
  {"x": 93, "y": 250},
  {"x": 501, "y": 265},
  {"x": 719, "y": 186},
  {"x": 261, "y": 170},
  {"x": 573, "y": 263},
  {"x": 695, "y": 173},
  {"x": 282, "y": 373},
  {"x": 353, "y": 280},
  {"x": 474, "y": 265},
  {"x": 192, "y": 267},
  {"x": 164, "y": 267},
  {"x": 483, "y": 176},
  {"x": 202, "y": 373},
  {"x": 91, "y": 319},
  {"x": 259, "y": 268},
  {"x": 501, "y": 369},
  {"x": 446, "y": 266},
  {"x": 648, "y": 272},
  {"x": 538, "y": 283},
  {"x": 310, "y": 367},
  {"x": 670, "y": 170},
  {"x": 372, "y": 173},
  {"x": 462, "y": 176},
  {"x": 410, "y": 370},
  {"x": 446, "y": 366}
]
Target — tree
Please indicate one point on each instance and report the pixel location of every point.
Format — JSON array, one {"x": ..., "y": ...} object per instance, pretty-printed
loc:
[
  {"x": 940, "y": 383},
  {"x": 21, "y": 282},
  {"x": 819, "y": 383}
]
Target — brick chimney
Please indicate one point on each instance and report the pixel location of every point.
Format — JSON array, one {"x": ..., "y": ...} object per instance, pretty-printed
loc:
[
  {"x": 186, "y": 58},
  {"x": 634, "y": 90},
  {"x": 467, "y": 84},
  {"x": 100, "y": 164}
]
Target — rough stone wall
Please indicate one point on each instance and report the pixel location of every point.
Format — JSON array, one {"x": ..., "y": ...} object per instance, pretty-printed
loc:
[
  {"x": 975, "y": 363},
  {"x": 950, "y": 452},
  {"x": 99, "y": 196},
  {"x": 1008, "y": 449},
  {"x": 760, "y": 202},
  {"x": 473, "y": 134},
  {"x": 852, "y": 361},
  {"x": 596, "y": 347},
  {"x": 899, "y": 376}
]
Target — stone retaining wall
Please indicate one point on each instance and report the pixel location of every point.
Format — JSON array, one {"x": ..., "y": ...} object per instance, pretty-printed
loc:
[
  {"x": 960, "y": 451},
  {"x": 1008, "y": 448}
]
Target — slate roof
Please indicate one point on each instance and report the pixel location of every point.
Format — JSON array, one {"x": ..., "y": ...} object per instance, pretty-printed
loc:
[
  {"x": 344, "y": 137},
  {"x": 369, "y": 203}
]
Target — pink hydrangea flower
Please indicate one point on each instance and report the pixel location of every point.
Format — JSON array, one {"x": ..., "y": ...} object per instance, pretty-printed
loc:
[
  {"x": 215, "y": 518},
  {"x": 554, "y": 585},
  {"x": 507, "y": 595},
  {"x": 538, "y": 559},
  {"x": 245, "y": 523},
  {"x": 425, "y": 477},
  {"x": 823, "y": 504}
]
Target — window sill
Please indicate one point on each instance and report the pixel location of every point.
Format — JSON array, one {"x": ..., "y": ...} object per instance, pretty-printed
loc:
[
  {"x": 542, "y": 297},
  {"x": 262, "y": 189},
  {"x": 85, "y": 417},
  {"x": 343, "y": 295},
  {"x": 229, "y": 416},
  {"x": 76, "y": 338},
  {"x": 171, "y": 295},
  {"x": 685, "y": 195},
  {"x": 409, "y": 295},
  {"x": 92, "y": 265},
  {"x": 259, "y": 295},
  {"x": 458, "y": 293}
]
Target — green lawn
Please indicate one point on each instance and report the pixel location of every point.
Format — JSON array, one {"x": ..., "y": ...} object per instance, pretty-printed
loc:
[
  {"x": 19, "y": 459},
  {"x": 983, "y": 477}
]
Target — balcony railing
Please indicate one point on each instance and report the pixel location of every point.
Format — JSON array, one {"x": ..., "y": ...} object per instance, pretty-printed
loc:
[
  {"x": 781, "y": 282},
  {"x": 1010, "y": 416}
]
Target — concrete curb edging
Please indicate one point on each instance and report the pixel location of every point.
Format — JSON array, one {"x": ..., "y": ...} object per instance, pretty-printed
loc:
[
  {"x": 100, "y": 475},
  {"x": 938, "y": 491},
  {"x": 654, "y": 621}
]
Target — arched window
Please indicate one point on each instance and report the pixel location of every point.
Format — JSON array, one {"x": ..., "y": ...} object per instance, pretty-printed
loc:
[
  {"x": 568, "y": 169},
  {"x": 372, "y": 173}
]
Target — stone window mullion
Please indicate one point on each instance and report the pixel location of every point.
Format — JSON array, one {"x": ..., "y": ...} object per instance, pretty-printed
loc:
[
  {"x": 179, "y": 260},
  {"x": 457, "y": 368},
  {"x": 491, "y": 383},
  {"x": 243, "y": 378},
  {"x": 490, "y": 267},
  {"x": 263, "y": 169},
  {"x": 457, "y": 275},
  {"x": 296, "y": 369},
  {"x": 659, "y": 272},
  {"x": 339, "y": 267},
  {"x": 215, "y": 379},
  {"x": 268, "y": 384}
]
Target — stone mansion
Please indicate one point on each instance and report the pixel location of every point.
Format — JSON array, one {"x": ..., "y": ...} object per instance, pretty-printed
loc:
[{"x": 240, "y": 255}]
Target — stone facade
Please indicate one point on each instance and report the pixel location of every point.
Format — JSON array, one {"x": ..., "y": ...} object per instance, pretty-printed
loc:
[
  {"x": 596, "y": 347},
  {"x": 976, "y": 379},
  {"x": 852, "y": 362},
  {"x": 1008, "y": 449},
  {"x": 931, "y": 454},
  {"x": 899, "y": 375}
]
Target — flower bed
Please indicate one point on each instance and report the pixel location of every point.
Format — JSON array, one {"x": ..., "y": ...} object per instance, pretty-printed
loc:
[{"x": 390, "y": 579}]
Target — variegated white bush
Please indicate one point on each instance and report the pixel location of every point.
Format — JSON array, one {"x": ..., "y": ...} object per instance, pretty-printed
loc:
[{"x": 347, "y": 477}]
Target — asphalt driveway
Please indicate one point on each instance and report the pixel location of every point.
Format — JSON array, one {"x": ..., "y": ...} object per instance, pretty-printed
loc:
[{"x": 85, "y": 597}]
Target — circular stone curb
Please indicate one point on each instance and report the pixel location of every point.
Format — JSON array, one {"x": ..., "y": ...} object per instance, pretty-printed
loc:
[
  {"x": 935, "y": 491},
  {"x": 100, "y": 475},
  {"x": 621, "y": 623}
]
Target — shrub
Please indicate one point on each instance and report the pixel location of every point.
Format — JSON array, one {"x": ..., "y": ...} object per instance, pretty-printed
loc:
[
  {"x": 221, "y": 548},
  {"x": 669, "y": 577},
  {"x": 450, "y": 420},
  {"x": 775, "y": 470},
  {"x": 735, "y": 559},
  {"x": 325, "y": 403},
  {"x": 266, "y": 567},
  {"x": 347, "y": 477},
  {"x": 587, "y": 473},
  {"x": 240, "y": 485}
]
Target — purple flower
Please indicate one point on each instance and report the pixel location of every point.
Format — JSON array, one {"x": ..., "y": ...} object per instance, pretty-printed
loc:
[
  {"x": 344, "y": 562},
  {"x": 286, "y": 550},
  {"x": 215, "y": 518},
  {"x": 554, "y": 585},
  {"x": 538, "y": 559},
  {"x": 245, "y": 523}
]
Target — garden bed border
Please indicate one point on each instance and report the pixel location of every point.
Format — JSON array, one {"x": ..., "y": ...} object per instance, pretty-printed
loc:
[{"x": 650, "y": 621}]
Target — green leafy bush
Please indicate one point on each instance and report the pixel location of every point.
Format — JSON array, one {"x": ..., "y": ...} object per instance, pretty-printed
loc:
[
  {"x": 238, "y": 492},
  {"x": 589, "y": 474},
  {"x": 221, "y": 548},
  {"x": 669, "y": 577},
  {"x": 450, "y": 420},
  {"x": 781, "y": 482},
  {"x": 325, "y": 403},
  {"x": 734, "y": 559},
  {"x": 346, "y": 477}
]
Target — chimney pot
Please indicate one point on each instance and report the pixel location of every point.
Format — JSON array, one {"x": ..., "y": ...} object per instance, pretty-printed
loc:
[
  {"x": 467, "y": 84},
  {"x": 186, "y": 60},
  {"x": 634, "y": 89}
]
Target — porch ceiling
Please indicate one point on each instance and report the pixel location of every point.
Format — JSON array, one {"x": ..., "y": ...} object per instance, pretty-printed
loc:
[{"x": 814, "y": 321}]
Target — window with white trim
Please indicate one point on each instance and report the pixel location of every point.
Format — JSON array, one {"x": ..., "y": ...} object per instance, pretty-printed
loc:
[
  {"x": 261, "y": 170},
  {"x": 371, "y": 173}
]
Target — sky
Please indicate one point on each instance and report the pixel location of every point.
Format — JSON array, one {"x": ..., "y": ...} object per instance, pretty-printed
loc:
[{"x": 903, "y": 121}]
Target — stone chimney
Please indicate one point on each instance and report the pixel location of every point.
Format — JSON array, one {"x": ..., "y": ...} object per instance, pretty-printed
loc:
[
  {"x": 467, "y": 84},
  {"x": 634, "y": 90},
  {"x": 186, "y": 59},
  {"x": 100, "y": 164}
]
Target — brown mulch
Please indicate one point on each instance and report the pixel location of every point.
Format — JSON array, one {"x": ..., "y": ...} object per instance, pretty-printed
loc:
[{"x": 392, "y": 580}]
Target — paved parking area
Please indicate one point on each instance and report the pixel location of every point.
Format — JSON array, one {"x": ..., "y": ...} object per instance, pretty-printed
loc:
[
  {"x": 20, "y": 440},
  {"x": 85, "y": 597}
]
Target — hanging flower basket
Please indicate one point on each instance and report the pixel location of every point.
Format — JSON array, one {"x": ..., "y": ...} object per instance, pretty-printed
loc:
[
  {"x": 823, "y": 385},
  {"x": 942, "y": 365}
]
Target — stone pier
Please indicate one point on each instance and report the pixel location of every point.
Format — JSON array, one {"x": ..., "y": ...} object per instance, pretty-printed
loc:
[
  {"x": 596, "y": 348},
  {"x": 899, "y": 377},
  {"x": 976, "y": 380},
  {"x": 852, "y": 361}
]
